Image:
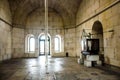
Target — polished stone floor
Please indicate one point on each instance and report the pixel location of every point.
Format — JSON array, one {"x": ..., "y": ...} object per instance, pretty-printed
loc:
[{"x": 58, "y": 69}]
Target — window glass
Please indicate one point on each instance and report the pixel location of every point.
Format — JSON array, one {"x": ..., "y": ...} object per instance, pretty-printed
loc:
[
  {"x": 32, "y": 44},
  {"x": 57, "y": 44}
]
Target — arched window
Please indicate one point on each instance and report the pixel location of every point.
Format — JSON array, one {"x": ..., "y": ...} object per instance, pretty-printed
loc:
[
  {"x": 57, "y": 42},
  {"x": 44, "y": 45},
  {"x": 30, "y": 44}
]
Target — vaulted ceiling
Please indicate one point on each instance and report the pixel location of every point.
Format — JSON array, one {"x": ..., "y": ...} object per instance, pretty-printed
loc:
[{"x": 67, "y": 9}]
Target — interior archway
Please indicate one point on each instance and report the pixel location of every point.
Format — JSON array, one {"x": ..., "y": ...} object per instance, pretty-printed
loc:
[
  {"x": 97, "y": 32},
  {"x": 42, "y": 44}
]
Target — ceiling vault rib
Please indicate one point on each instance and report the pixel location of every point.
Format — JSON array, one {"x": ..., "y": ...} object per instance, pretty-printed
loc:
[{"x": 6, "y": 22}]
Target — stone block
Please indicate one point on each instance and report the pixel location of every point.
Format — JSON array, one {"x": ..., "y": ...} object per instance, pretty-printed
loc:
[
  {"x": 92, "y": 57},
  {"x": 99, "y": 62},
  {"x": 87, "y": 63}
]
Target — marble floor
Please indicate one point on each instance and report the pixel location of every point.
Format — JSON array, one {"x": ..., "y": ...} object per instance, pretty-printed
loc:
[{"x": 58, "y": 69}]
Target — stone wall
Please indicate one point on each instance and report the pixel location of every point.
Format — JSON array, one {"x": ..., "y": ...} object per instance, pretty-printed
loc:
[
  {"x": 70, "y": 39},
  {"x": 35, "y": 25},
  {"x": 18, "y": 42},
  {"x": 109, "y": 16},
  {"x": 5, "y": 31}
]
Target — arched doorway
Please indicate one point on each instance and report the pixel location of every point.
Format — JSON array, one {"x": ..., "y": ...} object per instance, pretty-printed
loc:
[
  {"x": 97, "y": 32},
  {"x": 42, "y": 45}
]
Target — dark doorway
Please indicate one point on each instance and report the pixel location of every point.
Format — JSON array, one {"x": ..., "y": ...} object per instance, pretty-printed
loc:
[{"x": 97, "y": 31}]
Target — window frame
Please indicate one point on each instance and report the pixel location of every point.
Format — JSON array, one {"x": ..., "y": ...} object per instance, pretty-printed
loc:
[
  {"x": 59, "y": 43},
  {"x": 28, "y": 44}
]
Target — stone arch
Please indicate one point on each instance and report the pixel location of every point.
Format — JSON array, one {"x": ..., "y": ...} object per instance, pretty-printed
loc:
[
  {"x": 97, "y": 32},
  {"x": 39, "y": 42},
  {"x": 26, "y": 41}
]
